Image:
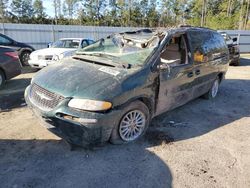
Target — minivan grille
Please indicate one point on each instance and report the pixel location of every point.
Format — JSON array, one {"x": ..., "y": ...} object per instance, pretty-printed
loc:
[{"x": 44, "y": 99}]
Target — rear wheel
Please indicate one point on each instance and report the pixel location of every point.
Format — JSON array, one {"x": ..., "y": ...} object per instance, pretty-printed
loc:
[
  {"x": 132, "y": 125},
  {"x": 2, "y": 78},
  {"x": 24, "y": 58},
  {"x": 212, "y": 93}
]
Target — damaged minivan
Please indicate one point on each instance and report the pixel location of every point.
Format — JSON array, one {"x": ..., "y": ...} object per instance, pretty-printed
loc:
[{"x": 110, "y": 90}]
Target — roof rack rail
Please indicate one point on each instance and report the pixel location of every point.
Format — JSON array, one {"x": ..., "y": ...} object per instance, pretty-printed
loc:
[{"x": 185, "y": 25}]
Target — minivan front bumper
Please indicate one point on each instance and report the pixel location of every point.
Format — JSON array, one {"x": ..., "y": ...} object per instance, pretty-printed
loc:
[{"x": 77, "y": 127}]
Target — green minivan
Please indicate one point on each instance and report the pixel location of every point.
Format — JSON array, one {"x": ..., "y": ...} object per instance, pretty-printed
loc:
[{"x": 110, "y": 90}]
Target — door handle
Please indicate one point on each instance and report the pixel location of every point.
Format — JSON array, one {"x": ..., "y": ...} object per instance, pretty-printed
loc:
[
  {"x": 197, "y": 72},
  {"x": 190, "y": 74}
]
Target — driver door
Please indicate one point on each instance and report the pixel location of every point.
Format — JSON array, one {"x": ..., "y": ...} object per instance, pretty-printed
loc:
[{"x": 176, "y": 73}]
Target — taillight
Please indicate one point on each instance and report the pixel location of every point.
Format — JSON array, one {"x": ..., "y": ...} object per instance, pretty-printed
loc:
[{"x": 14, "y": 55}]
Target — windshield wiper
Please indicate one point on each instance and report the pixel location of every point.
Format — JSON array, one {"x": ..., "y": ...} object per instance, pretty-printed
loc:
[
  {"x": 98, "y": 54},
  {"x": 94, "y": 62},
  {"x": 115, "y": 60}
]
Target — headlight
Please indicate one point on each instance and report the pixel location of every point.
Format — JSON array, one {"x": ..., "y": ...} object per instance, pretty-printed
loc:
[
  {"x": 61, "y": 56},
  {"x": 55, "y": 57},
  {"x": 58, "y": 57},
  {"x": 90, "y": 105}
]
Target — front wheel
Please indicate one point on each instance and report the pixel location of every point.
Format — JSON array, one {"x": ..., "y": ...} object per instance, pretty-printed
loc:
[
  {"x": 212, "y": 93},
  {"x": 25, "y": 58},
  {"x": 132, "y": 125}
]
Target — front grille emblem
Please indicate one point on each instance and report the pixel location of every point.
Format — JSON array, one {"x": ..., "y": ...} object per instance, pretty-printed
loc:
[{"x": 43, "y": 96}]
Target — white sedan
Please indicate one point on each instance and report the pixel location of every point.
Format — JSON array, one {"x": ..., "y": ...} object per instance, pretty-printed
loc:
[{"x": 60, "y": 49}]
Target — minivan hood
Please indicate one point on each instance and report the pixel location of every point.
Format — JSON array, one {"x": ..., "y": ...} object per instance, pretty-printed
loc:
[{"x": 75, "y": 78}]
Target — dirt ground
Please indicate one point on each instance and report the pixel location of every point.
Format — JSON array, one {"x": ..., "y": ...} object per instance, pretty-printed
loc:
[{"x": 202, "y": 144}]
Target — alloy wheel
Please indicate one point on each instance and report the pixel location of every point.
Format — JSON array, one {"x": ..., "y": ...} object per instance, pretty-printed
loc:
[
  {"x": 215, "y": 88},
  {"x": 132, "y": 125}
]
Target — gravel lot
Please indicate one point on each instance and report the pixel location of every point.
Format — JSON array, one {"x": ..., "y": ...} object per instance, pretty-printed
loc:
[{"x": 202, "y": 144}]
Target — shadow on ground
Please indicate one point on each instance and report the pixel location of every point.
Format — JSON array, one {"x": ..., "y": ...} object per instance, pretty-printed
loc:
[
  {"x": 28, "y": 69},
  {"x": 48, "y": 163},
  {"x": 244, "y": 61},
  {"x": 201, "y": 116},
  {"x": 12, "y": 94}
]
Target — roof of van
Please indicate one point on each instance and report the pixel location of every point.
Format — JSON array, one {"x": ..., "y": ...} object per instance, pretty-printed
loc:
[
  {"x": 145, "y": 33},
  {"x": 188, "y": 27}
]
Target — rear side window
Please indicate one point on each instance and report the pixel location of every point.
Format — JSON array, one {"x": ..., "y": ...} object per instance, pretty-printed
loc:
[
  {"x": 3, "y": 40},
  {"x": 207, "y": 42}
]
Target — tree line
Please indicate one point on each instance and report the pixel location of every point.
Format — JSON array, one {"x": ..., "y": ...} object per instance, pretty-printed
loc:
[{"x": 216, "y": 14}]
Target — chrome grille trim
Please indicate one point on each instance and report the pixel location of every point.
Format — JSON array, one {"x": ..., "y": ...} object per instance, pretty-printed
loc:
[
  {"x": 45, "y": 57},
  {"x": 44, "y": 99}
]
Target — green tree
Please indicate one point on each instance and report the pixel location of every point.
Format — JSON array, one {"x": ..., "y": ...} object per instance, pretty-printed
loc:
[
  {"x": 3, "y": 10},
  {"x": 39, "y": 11},
  {"x": 22, "y": 10},
  {"x": 70, "y": 7},
  {"x": 94, "y": 11}
]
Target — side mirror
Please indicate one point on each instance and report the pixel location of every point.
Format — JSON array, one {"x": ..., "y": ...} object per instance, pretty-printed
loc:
[
  {"x": 163, "y": 66},
  {"x": 235, "y": 39}
]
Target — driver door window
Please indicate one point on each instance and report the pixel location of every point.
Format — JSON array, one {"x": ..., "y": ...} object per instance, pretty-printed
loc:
[{"x": 175, "y": 52}]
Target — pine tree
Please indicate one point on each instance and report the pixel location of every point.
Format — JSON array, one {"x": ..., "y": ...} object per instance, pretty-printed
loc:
[
  {"x": 3, "y": 9},
  {"x": 22, "y": 10}
]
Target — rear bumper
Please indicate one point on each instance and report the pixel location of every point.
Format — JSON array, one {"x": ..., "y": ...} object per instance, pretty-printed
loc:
[
  {"x": 12, "y": 69},
  {"x": 94, "y": 129}
]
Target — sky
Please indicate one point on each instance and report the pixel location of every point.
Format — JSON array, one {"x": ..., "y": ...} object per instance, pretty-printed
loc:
[{"x": 48, "y": 4}]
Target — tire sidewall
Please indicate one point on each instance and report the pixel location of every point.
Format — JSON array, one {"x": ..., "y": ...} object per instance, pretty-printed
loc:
[
  {"x": 115, "y": 137},
  {"x": 210, "y": 96},
  {"x": 21, "y": 57},
  {"x": 3, "y": 79}
]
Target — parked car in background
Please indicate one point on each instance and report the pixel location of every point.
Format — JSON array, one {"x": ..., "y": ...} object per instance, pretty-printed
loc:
[
  {"x": 10, "y": 65},
  {"x": 23, "y": 50},
  {"x": 111, "y": 90},
  {"x": 233, "y": 48},
  {"x": 58, "y": 50}
]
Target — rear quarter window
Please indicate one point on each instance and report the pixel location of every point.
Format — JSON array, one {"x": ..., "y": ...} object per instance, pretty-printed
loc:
[{"x": 207, "y": 42}]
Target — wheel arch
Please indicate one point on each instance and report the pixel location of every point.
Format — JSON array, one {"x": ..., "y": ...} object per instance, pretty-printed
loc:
[
  {"x": 221, "y": 76},
  {"x": 25, "y": 50},
  {"x": 4, "y": 73},
  {"x": 145, "y": 100}
]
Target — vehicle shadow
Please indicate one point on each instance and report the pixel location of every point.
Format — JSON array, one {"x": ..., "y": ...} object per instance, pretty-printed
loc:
[
  {"x": 201, "y": 116},
  {"x": 48, "y": 163},
  {"x": 12, "y": 94},
  {"x": 244, "y": 61},
  {"x": 28, "y": 69}
]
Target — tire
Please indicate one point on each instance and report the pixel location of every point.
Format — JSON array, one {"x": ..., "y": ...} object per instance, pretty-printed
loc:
[
  {"x": 213, "y": 91},
  {"x": 237, "y": 63},
  {"x": 137, "y": 109},
  {"x": 2, "y": 78},
  {"x": 24, "y": 57}
]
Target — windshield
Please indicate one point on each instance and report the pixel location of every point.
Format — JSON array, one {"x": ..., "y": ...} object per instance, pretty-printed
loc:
[
  {"x": 68, "y": 43},
  {"x": 132, "y": 49},
  {"x": 226, "y": 36}
]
